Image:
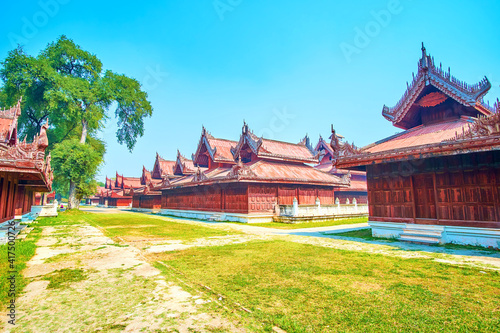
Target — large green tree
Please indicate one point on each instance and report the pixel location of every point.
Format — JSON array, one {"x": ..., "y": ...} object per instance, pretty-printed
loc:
[{"x": 69, "y": 86}]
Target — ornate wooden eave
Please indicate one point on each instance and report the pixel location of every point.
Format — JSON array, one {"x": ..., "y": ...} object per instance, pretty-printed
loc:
[
  {"x": 445, "y": 148},
  {"x": 429, "y": 74},
  {"x": 27, "y": 159}
]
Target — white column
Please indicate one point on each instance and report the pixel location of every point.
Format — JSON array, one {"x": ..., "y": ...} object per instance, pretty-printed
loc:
[{"x": 295, "y": 211}]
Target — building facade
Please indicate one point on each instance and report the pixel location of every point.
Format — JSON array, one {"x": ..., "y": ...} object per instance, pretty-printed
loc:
[
  {"x": 438, "y": 181},
  {"x": 24, "y": 169}
]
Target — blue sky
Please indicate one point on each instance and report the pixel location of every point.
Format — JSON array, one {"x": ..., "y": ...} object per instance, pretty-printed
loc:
[{"x": 287, "y": 67}]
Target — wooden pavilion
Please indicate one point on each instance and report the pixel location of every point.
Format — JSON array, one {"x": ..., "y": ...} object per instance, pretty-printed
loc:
[
  {"x": 356, "y": 192},
  {"x": 24, "y": 170},
  {"x": 117, "y": 193},
  {"x": 247, "y": 180},
  {"x": 439, "y": 179}
]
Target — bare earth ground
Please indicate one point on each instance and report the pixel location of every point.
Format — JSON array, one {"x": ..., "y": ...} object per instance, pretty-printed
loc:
[{"x": 122, "y": 292}]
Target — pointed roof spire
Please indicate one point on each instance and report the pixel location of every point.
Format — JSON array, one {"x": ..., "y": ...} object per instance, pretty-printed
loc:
[{"x": 244, "y": 130}]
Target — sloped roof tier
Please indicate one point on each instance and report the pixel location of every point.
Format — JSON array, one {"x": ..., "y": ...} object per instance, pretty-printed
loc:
[
  {"x": 421, "y": 135},
  {"x": 262, "y": 171},
  {"x": 131, "y": 182}
]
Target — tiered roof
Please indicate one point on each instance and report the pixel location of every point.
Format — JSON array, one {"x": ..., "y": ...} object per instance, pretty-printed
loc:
[
  {"x": 28, "y": 159},
  {"x": 441, "y": 115},
  {"x": 433, "y": 86},
  {"x": 273, "y": 162}
]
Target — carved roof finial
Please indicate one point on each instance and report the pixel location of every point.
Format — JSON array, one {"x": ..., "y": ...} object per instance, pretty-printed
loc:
[
  {"x": 18, "y": 111},
  {"x": 424, "y": 53},
  {"x": 245, "y": 127},
  {"x": 203, "y": 130}
]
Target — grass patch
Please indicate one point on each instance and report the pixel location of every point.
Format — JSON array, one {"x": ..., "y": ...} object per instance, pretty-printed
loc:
[
  {"x": 62, "y": 278},
  {"x": 135, "y": 226},
  {"x": 304, "y": 288},
  {"x": 59, "y": 257},
  {"x": 24, "y": 251},
  {"x": 365, "y": 234},
  {"x": 329, "y": 223},
  {"x": 141, "y": 226},
  {"x": 68, "y": 217}
]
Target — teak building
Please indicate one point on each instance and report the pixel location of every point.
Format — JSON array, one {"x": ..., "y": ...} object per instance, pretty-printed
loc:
[
  {"x": 24, "y": 170},
  {"x": 439, "y": 179}
]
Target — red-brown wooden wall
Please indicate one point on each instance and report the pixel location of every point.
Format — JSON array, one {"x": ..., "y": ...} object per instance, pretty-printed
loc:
[{"x": 461, "y": 190}]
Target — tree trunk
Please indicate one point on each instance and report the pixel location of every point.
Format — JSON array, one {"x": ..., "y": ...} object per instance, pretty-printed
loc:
[
  {"x": 83, "y": 138},
  {"x": 72, "y": 202}
]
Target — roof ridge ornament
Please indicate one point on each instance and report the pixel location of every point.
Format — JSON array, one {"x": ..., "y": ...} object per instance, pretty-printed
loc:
[{"x": 244, "y": 129}]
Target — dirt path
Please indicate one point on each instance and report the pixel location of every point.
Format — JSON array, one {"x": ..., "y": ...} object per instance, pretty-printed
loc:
[{"x": 115, "y": 290}]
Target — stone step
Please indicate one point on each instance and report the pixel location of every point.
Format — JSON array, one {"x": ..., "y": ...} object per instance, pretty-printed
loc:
[
  {"x": 215, "y": 217},
  {"x": 413, "y": 232},
  {"x": 419, "y": 239}
]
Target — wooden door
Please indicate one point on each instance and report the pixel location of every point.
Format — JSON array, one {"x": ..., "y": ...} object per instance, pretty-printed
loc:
[{"x": 425, "y": 202}]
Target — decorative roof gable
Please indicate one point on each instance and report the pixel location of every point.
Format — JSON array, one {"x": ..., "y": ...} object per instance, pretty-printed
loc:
[
  {"x": 272, "y": 149},
  {"x": 418, "y": 93},
  {"x": 218, "y": 150},
  {"x": 183, "y": 165},
  {"x": 8, "y": 124},
  {"x": 146, "y": 176},
  {"x": 323, "y": 149},
  {"x": 162, "y": 167}
]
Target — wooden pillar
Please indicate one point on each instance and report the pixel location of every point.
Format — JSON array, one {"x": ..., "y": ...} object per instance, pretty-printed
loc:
[
  {"x": 3, "y": 196},
  {"x": 436, "y": 201},
  {"x": 412, "y": 191}
]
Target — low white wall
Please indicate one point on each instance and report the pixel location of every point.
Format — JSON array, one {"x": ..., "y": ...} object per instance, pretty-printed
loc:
[
  {"x": 314, "y": 210},
  {"x": 45, "y": 210},
  {"x": 217, "y": 216},
  {"x": 486, "y": 237}
]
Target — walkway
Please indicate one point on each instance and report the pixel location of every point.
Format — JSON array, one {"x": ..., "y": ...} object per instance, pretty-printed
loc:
[{"x": 325, "y": 236}]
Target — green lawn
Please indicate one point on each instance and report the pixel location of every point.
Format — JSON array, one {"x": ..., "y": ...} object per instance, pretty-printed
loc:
[
  {"x": 137, "y": 226},
  {"x": 24, "y": 251},
  {"x": 279, "y": 225},
  {"x": 304, "y": 288}
]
